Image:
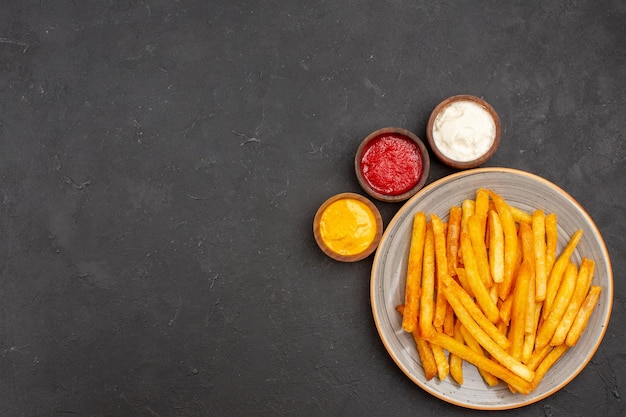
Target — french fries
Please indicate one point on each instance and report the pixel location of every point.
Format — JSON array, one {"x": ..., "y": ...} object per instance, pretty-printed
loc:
[
  {"x": 496, "y": 247},
  {"x": 539, "y": 251},
  {"x": 469, "y": 340},
  {"x": 476, "y": 228},
  {"x": 441, "y": 268},
  {"x": 427, "y": 303},
  {"x": 558, "y": 270},
  {"x": 488, "y": 286},
  {"x": 452, "y": 238},
  {"x": 475, "y": 312},
  {"x": 414, "y": 273},
  {"x": 519, "y": 310},
  {"x": 561, "y": 300},
  {"x": 510, "y": 243},
  {"x": 456, "y": 362},
  {"x": 485, "y": 341},
  {"x": 583, "y": 316},
  {"x": 583, "y": 281},
  {"x": 475, "y": 283},
  {"x": 425, "y": 351}
]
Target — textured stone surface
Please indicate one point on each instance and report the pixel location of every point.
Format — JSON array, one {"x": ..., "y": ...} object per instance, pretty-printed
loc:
[{"x": 161, "y": 163}]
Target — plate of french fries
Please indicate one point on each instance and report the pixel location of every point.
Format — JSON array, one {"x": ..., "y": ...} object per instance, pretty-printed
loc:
[{"x": 491, "y": 288}]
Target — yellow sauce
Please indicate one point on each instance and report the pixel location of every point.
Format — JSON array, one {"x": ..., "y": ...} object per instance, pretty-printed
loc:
[{"x": 347, "y": 226}]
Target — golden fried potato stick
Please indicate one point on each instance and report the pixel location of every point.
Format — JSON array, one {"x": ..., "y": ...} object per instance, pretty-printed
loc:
[
  {"x": 527, "y": 348},
  {"x": 494, "y": 349},
  {"x": 424, "y": 350},
  {"x": 517, "y": 328},
  {"x": 462, "y": 276},
  {"x": 518, "y": 257},
  {"x": 452, "y": 239},
  {"x": 479, "y": 289},
  {"x": 414, "y": 273},
  {"x": 477, "y": 236},
  {"x": 427, "y": 299},
  {"x": 552, "y": 239},
  {"x": 510, "y": 243},
  {"x": 505, "y": 310},
  {"x": 525, "y": 233},
  {"x": 554, "y": 281},
  {"x": 520, "y": 216},
  {"x": 582, "y": 318},
  {"x": 481, "y": 205},
  {"x": 530, "y": 306},
  {"x": 547, "y": 363},
  {"x": 493, "y": 293},
  {"x": 448, "y": 321},
  {"x": 469, "y": 340},
  {"x": 496, "y": 246},
  {"x": 481, "y": 209},
  {"x": 521, "y": 385},
  {"x": 503, "y": 327},
  {"x": 566, "y": 290},
  {"x": 537, "y": 356},
  {"x": 583, "y": 282},
  {"x": 456, "y": 362},
  {"x": 476, "y": 313},
  {"x": 526, "y": 242},
  {"x": 443, "y": 367},
  {"x": 441, "y": 269},
  {"x": 528, "y": 256},
  {"x": 426, "y": 355},
  {"x": 468, "y": 208},
  {"x": 539, "y": 251},
  {"x": 529, "y": 339}
]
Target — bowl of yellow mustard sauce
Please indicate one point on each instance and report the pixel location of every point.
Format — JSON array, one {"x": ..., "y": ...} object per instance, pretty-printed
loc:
[{"x": 347, "y": 227}]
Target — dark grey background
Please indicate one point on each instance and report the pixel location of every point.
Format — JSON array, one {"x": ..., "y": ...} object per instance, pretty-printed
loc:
[{"x": 161, "y": 163}]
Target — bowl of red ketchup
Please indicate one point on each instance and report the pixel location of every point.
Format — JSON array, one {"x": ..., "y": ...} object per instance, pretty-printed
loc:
[{"x": 392, "y": 164}]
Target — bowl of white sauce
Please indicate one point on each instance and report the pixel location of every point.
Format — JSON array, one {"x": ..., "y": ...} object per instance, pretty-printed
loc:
[{"x": 463, "y": 131}]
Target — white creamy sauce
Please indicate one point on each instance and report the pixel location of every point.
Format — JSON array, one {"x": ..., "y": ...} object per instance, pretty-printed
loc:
[{"x": 464, "y": 131}]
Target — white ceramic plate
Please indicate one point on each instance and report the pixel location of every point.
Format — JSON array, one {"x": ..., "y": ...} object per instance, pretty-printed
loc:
[{"x": 525, "y": 191}]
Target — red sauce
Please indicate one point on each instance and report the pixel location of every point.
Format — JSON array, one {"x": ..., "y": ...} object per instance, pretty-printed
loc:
[{"x": 391, "y": 164}]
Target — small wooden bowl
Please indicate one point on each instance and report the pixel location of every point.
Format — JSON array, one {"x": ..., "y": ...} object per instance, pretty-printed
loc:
[
  {"x": 403, "y": 134},
  {"x": 450, "y": 161},
  {"x": 343, "y": 257}
]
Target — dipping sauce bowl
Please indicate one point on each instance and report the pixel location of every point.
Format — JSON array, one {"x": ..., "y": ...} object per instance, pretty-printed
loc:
[
  {"x": 348, "y": 227},
  {"x": 463, "y": 131},
  {"x": 392, "y": 164}
]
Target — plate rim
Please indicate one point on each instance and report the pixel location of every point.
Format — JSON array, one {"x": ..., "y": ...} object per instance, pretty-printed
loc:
[{"x": 408, "y": 205}]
